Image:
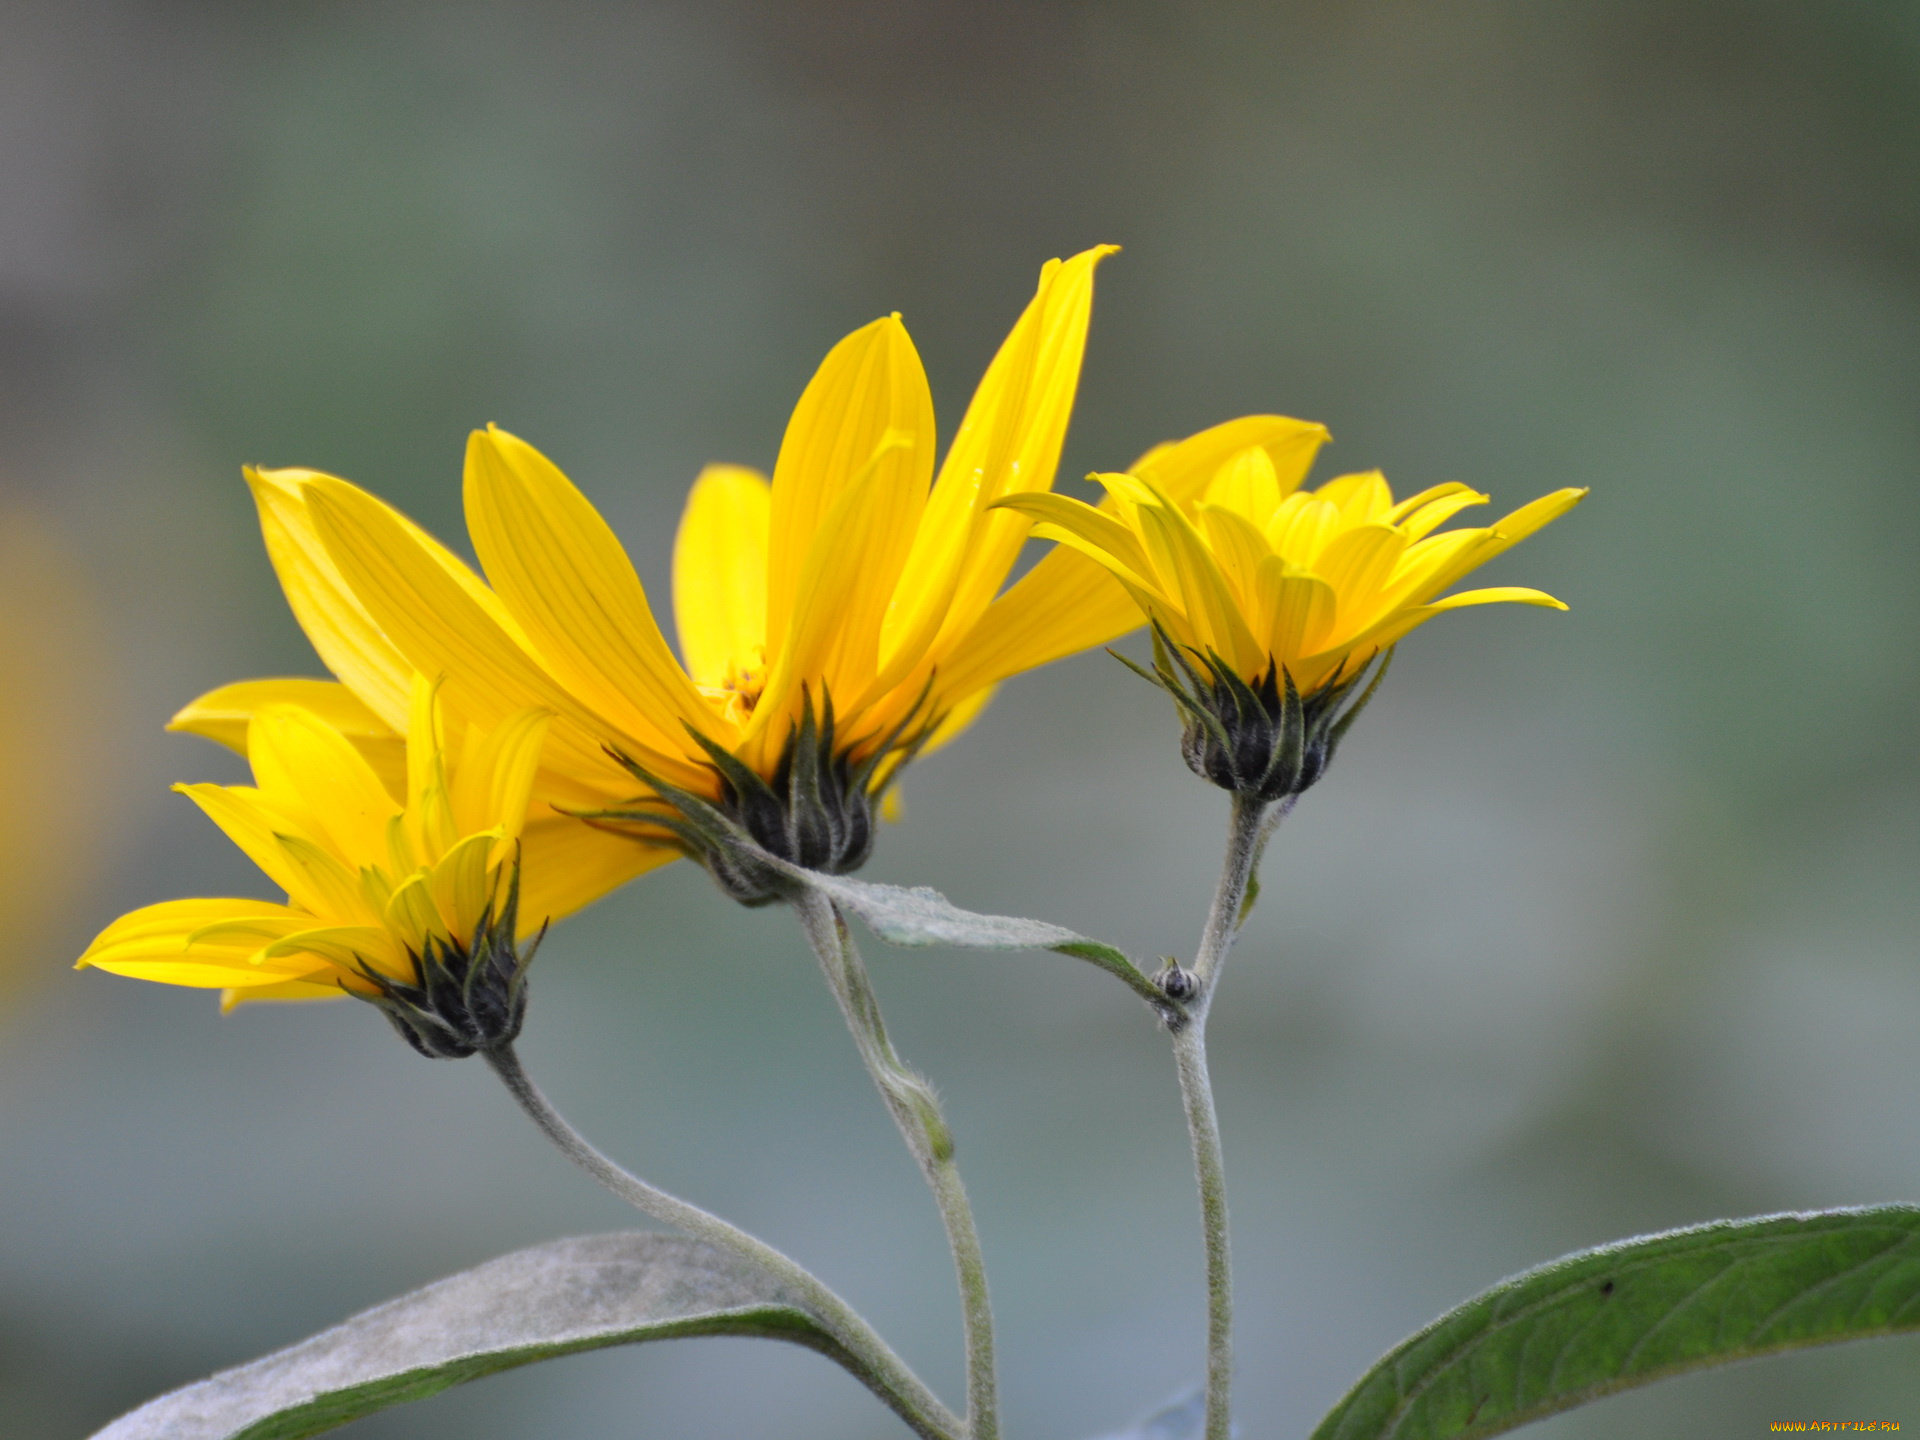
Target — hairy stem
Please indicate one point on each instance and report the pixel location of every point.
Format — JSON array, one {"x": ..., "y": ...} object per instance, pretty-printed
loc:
[
  {"x": 892, "y": 1381},
  {"x": 911, "y": 1102},
  {"x": 1247, "y": 831}
]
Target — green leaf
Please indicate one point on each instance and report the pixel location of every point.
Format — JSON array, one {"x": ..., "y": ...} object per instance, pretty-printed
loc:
[
  {"x": 555, "y": 1299},
  {"x": 921, "y": 916},
  {"x": 1628, "y": 1314}
]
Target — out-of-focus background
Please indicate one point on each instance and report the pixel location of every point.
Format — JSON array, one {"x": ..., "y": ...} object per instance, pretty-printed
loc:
[{"x": 1604, "y": 922}]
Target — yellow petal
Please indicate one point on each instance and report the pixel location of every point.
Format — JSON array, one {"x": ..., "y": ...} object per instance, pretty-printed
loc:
[
  {"x": 347, "y": 948},
  {"x": 412, "y": 916},
  {"x": 1363, "y": 498},
  {"x": 1357, "y": 563},
  {"x": 328, "y": 887},
  {"x": 1182, "y": 557},
  {"x": 566, "y": 864},
  {"x": 222, "y": 715},
  {"x": 870, "y": 389},
  {"x": 1298, "y": 610},
  {"x": 255, "y": 824},
  {"x": 565, "y": 577},
  {"x": 1065, "y": 604},
  {"x": 1009, "y": 440},
  {"x": 444, "y": 632},
  {"x": 347, "y": 639},
  {"x": 1248, "y": 486},
  {"x": 299, "y": 759},
  {"x": 1239, "y": 548},
  {"x": 1184, "y": 468},
  {"x": 157, "y": 943},
  {"x": 462, "y": 886},
  {"x": 1096, "y": 532},
  {"x": 720, "y": 574},
  {"x": 495, "y": 778}
]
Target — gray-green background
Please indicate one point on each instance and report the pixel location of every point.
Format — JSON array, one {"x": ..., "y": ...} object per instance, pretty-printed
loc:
[{"x": 1604, "y": 922}]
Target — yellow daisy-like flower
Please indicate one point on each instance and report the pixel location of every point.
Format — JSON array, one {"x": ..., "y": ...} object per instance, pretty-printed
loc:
[
  {"x": 393, "y": 884},
  {"x": 1272, "y": 600},
  {"x": 847, "y": 608}
]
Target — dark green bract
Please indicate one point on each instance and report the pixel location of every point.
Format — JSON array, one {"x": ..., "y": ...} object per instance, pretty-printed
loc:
[{"x": 1628, "y": 1314}]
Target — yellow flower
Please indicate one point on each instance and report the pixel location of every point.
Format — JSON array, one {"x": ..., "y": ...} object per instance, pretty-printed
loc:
[
  {"x": 385, "y": 877},
  {"x": 848, "y": 605},
  {"x": 1265, "y": 591}
]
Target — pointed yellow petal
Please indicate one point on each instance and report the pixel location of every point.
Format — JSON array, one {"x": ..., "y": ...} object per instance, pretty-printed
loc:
[
  {"x": 1009, "y": 440},
  {"x": 564, "y": 575},
  {"x": 412, "y": 916},
  {"x": 158, "y": 942},
  {"x": 566, "y": 864},
  {"x": 870, "y": 386},
  {"x": 1423, "y": 520},
  {"x": 720, "y": 574},
  {"x": 1183, "y": 559},
  {"x": 302, "y": 762}
]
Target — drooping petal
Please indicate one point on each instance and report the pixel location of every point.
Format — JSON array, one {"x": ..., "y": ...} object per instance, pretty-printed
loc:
[
  {"x": 565, "y": 577},
  {"x": 720, "y": 574},
  {"x": 866, "y": 407}
]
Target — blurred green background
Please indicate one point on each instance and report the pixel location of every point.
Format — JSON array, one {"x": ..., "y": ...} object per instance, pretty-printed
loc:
[{"x": 1605, "y": 921}]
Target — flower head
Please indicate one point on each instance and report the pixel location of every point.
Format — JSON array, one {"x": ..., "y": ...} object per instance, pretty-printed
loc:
[
  {"x": 404, "y": 891},
  {"x": 1269, "y": 601},
  {"x": 850, "y": 604}
]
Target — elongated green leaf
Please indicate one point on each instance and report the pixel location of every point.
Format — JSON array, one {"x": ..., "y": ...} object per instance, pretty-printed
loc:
[
  {"x": 1628, "y": 1314},
  {"x": 535, "y": 1304},
  {"x": 921, "y": 916}
]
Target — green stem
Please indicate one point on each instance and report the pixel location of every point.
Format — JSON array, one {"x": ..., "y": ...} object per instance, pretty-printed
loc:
[
  {"x": 911, "y": 1102},
  {"x": 889, "y": 1378},
  {"x": 1246, "y": 836}
]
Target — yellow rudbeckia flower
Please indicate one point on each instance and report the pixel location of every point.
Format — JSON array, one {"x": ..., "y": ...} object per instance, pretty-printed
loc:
[
  {"x": 390, "y": 896},
  {"x": 833, "y": 621},
  {"x": 1269, "y": 602}
]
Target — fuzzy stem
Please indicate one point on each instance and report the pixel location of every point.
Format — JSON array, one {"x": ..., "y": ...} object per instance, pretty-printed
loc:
[
  {"x": 903, "y": 1391},
  {"x": 911, "y": 1102},
  {"x": 1247, "y": 831}
]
